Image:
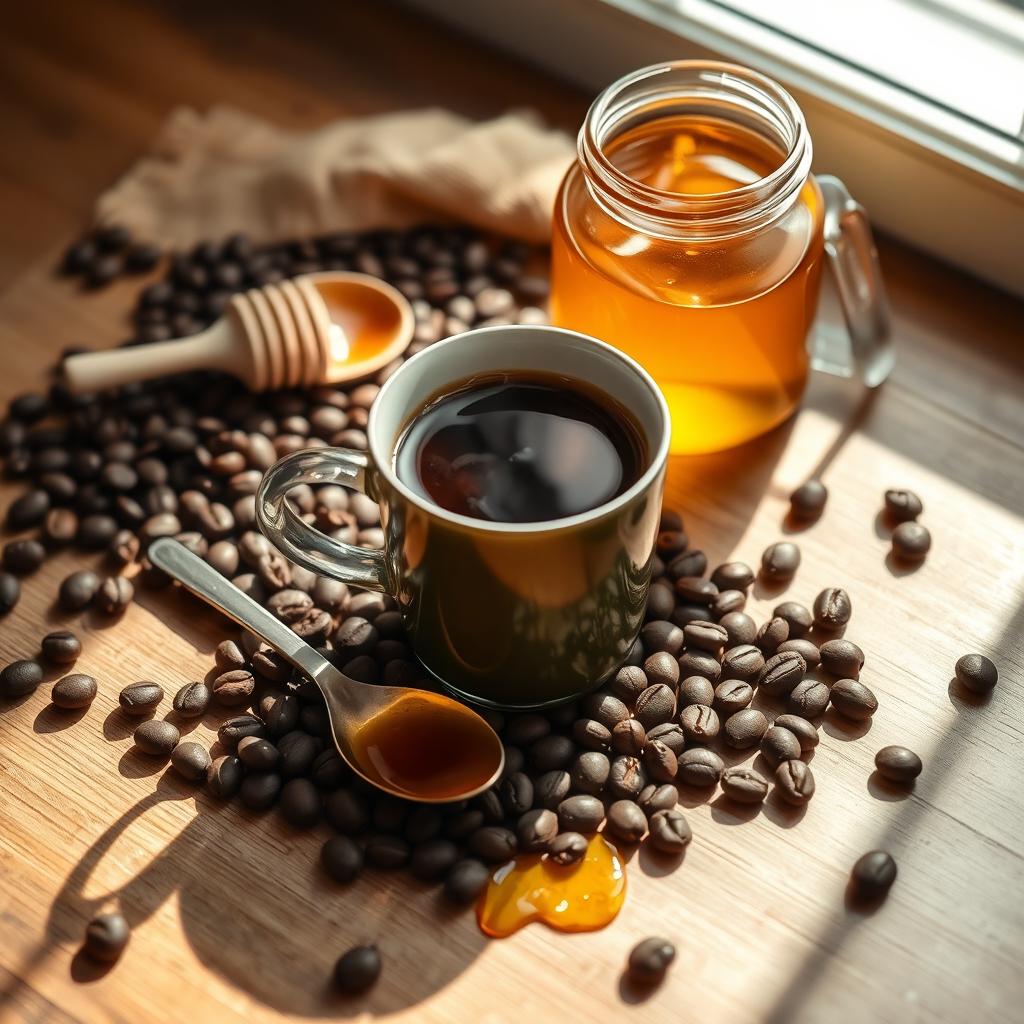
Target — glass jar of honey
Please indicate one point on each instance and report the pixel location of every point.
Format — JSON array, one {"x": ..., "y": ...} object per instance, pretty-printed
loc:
[{"x": 691, "y": 234}]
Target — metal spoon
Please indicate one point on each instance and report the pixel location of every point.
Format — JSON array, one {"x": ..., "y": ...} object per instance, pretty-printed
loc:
[{"x": 466, "y": 756}]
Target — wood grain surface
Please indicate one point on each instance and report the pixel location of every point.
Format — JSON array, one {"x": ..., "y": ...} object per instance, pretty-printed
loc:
[{"x": 232, "y": 920}]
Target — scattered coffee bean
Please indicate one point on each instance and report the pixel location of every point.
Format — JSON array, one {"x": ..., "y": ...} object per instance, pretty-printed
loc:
[
  {"x": 842, "y": 658},
  {"x": 660, "y": 761},
  {"x": 780, "y": 561},
  {"x": 23, "y": 556},
  {"x": 433, "y": 859},
  {"x": 779, "y": 744},
  {"x": 657, "y": 704},
  {"x": 809, "y": 698},
  {"x": 911, "y": 542},
  {"x": 832, "y": 609},
  {"x": 807, "y": 502},
  {"x": 705, "y": 636},
  {"x": 191, "y": 761},
  {"x": 770, "y": 635},
  {"x": 551, "y": 788},
  {"x": 902, "y": 506},
  {"x": 342, "y": 858},
  {"x": 733, "y": 576},
  {"x": 10, "y": 592},
  {"x": 670, "y": 734},
  {"x": 605, "y": 708},
  {"x": 976, "y": 673},
  {"x": 567, "y": 848},
  {"x": 61, "y": 647},
  {"x": 744, "y": 662},
  {"x": 74, "y": 691},
  {"x": 696, "y": 690},
  {"x": 727, "y": 602},
  {"x": 234, "y": 688},
  {"x": 670, "y": 831},
  {"x": 224, "y": 776},
  {"x": 807, "y": 650},
  {"x": 628, "y": 737},
  {"x": 732, "y": 695},
  {"x": 649, "y": 960},
  {"x": 78, "y": 590},
  {"x": 258, "y": 754},
  {"x": 114, "y": 595},
  {"x": 358, "y": 970},
  {"x": 700, "y": 723},
  {"x": 140, "y": 698},
  {"x": 872, "y": 877},
  {"x": 28, "y": 510},
  {"x": 696, "y": 590},
  {"x": 798, "y": 618},
  {"x": 299, "y": 803},
  {"x": 744, "y": 785},
  {"x": 781, "y": 673},
  {"x": 700, "y": 663},
  {"x": 192, "y": 700},
  {"x": 228, "y": 656},
  {"x": 745, "y": 729},
  {"x": 106, "y": 936},
  {"x": 654, "y": 798},
  {"x": 589, "y": 774},
  {"x": 794, "y": 782},
  {"x": 898, "y": 764},
  {"x": 853, "y": 700},
  {"x": 700, "y": 767},
  {"x": 495, "y": 844},
  {"x": 157, "y": 737},
  {"x": 662, "y": 637},
  {"x": 260, "y": 792},
  {"x": 804, "y": 731},
  {"x": 234, "y": 729},
  {"x": 582, "y": 813},
  {"x": 591, "y": 735},
  {"x": 536, "y": 829},
  {"x": 626, "y": 821},
  {"x": 551, "y": 752},
  {"x": 466, "y": 880},
  {"x": 627, "y": 684}
]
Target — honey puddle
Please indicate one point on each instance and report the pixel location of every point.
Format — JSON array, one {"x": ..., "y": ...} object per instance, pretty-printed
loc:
[{"x": 579, "y": 898}]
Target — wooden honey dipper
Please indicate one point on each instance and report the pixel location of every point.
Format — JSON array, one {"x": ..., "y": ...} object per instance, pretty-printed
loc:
[{"x": 314, "y": 329}]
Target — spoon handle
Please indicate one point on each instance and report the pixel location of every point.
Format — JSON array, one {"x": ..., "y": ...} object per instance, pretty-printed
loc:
[{"x": 204, "y": 581}]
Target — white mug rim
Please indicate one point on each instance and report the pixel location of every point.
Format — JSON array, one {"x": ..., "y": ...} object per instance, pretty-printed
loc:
[{"x": 383, "y": 463}]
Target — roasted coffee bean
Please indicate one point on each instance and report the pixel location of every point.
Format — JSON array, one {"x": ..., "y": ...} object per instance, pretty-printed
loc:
[
  {"x": 74, "y": 691},
  {"x": 515, "y": 760},
  {"x": 551, "y": 752},
  {"x": 649, "y": 960},
  {"x": 744, "y": 785},
  {"x": 157, "y": 737},
  {"x": 140, "y": 698},
  {"x": 23, "y": 556},
  {"x": 627, "y": 684},
  {"x": 779, "y": 744},
  {"x": 627, "y": 778},
  {"x": 299, "y": 803},
  {"x": 781, "y": 673},
  {"x": 705, "y": 636},
  {"x": 732, "y": 695},
  {"x": 28, "y": 510},
  {"x": 898, "y": 764},
  {"x": 358, "y": 970},
  {"x": 272, "y": 666},
  {"x": 700, "y": 663},
  {"x": 78, "y": 590},
  {"x": 902, "y": 506},
  {"x": 342, "y": 859},
  {"x": 744, "y": 662},
  {"x": 61, "y": 647},
  {"x": 551, "y": 788},
  {"x": 224, "y": 776},
  {"x": 657, "y": 704},
  {"x": 10, "y": 592},
  {"x": 605, "y": 708},
  {"x": 807, "y": 502},
  {"x": 780, "y": 561},
  {"x": 794, "y": 782},
  {"x": 872, "y": 877},
  {"x": 106, "y": 936},
  {"x": 494, "y": 844},
  {"x": 832, "y": 610},
  {"x": 695, "y": 590},
  {"x": 684, "y": 614},
  {"x": 661, "y": 669},
  {"x": 733, "y": 576},
  {"x": 522, "y": 730},
  {"x": 805, "y": 732},
  {"x": 689, "y": 564},
  {"x": 20, "y": 678},
  {"x": 346, "y": 810},
  {"x": 853, "y": 700},
  {"x": 727, "y": 602},
  {"x": 662, "y": 637},
  {"x": 260, "y": 792},
  {"x": 626, "y": 821},
  {"x": 567, "y": 848},
  {"x": 628, "y": 737},
  {"x": 466, "y": 880},
  {"x": 659, "y": 761},
  {"x": 234, "y": 729},
  {"x": 354, "y": 637},
  {"x": 190, "y": 760},
  {"x": 911, "y": 542},
  {"x": 234, "y": 688},
  {"x": 536, "y": 829},
  {"x": 257, "y": 754},
  {"x": 671, "y": 543},
  {"x": 976, "y": 673},
  {"x": 842, "y": 658},
  {"x": 654, "y": 798},
  {"x": 798, "y": 618},
  {"x": 298, "y": 752},
  {"x": 591, "y": 735},
  {"x": 661, "y": 600},
  {"x": 328, "y": 772},
  {"x": 740, "y": 629},
  {"x": 289, "y": 605},
  {"x": 96, "y": 532},
  {"x": 223, "y": 556},
  {"x": 589, "y": 773},
  {"x": 809, "y": 698},
  {"x": 696, "y": 690},
  {"x": 192, "y": 700},
  {"x": 669, "y": 733},
  {"x": 745, "y": 729},
  {"x": 432, "y": 859},
  {"x": 700, "y": 723},
  {"x": 700, "y": 767},
  {"x": 114, "y": 595},
  {"x": 670, "y": 831},
  {"x": 805, "y": 648},
  {"x": 581, "y": 813},
  {"x": 516, "y": 793},
  {"x": 770, "y": 635},
  {"x": 124, "y": 547}
]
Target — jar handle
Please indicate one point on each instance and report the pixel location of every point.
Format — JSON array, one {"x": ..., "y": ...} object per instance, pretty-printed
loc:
[{"x": 867, "y": 351}]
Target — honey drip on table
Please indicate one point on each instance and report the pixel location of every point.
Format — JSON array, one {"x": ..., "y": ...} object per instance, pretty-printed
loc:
[{"x": 581, "y": 897}]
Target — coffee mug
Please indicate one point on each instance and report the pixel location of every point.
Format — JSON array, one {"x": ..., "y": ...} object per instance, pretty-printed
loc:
[{"x": 506, "y": 615}]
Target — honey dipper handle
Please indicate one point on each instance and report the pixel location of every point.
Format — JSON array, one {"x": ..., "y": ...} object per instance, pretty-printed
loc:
[{"x": 220, "y": 347}]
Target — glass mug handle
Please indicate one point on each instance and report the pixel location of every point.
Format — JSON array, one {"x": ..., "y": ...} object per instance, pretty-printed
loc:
[
  {"x": 304, "y": 544},
  {"x": 867, "y": 351}
]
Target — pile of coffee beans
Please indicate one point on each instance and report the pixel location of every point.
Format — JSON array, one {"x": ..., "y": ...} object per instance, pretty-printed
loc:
[{"x": 107, "y": 253}]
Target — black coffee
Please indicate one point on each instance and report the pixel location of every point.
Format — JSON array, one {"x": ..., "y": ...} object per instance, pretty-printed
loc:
[{"x": 521, "y": 448}]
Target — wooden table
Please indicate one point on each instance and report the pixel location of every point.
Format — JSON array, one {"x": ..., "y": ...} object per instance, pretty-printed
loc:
[{"x": 231, "y": 919}]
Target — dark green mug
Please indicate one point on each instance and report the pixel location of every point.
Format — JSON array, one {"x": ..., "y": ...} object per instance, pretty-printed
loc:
[{"x": 507, "y": 615}]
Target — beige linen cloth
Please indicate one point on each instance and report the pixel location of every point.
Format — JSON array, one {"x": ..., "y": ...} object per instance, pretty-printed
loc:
[{"x": 214, "y": 173}]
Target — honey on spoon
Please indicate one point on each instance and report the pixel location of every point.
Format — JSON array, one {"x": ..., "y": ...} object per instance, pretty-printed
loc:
[{"x": 324, "y": 328}]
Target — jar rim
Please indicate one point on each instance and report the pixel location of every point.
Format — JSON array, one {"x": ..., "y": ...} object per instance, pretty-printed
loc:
[{"x": 746, "y": 207}]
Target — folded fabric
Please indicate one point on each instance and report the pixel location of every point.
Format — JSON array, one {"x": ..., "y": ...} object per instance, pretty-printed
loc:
[{"x": 212, "y": 174}]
